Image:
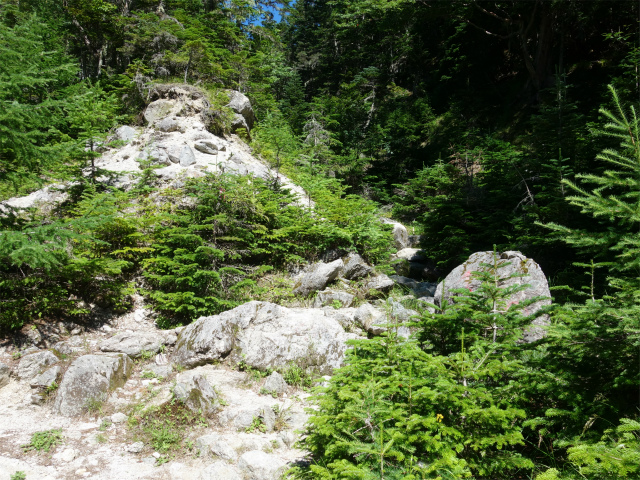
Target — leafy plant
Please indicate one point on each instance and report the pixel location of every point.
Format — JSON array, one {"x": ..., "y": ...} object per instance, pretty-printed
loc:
[
  {"x": 257, "y": 425},
  {"x": 18, "y": 476},
  {"x": 44, "y": 441}
]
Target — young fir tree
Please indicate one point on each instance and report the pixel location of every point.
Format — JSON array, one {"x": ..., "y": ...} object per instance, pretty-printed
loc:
[
  {"x": 402, "y": 409},
  {"x": 595, "y": 344}
]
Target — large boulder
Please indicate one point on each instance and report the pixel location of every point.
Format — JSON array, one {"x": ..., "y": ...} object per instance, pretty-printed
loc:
[
  {"x": 241, "y": 105},
  {"x": 31, "y": 366},
  {"x": 90, "y": 378},
  {"x": 317, "y": 277},
  {"x": 400, "y": 234},
  {"x": 355, "y": 267},
  {"x": 529, "y": 273},
  {"x": 264, "y": 335},
  {"x": 133, "y": 343}
]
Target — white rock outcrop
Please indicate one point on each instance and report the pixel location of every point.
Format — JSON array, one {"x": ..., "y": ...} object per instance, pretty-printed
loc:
[{"x": 265, "y": 335}]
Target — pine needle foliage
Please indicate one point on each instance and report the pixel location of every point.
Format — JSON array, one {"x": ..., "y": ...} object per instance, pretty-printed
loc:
[{"x": 403, "y": 408}]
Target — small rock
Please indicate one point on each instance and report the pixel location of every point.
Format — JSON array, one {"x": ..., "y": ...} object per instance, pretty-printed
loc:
[
  {"x": 135, "y": 447},
  {"x": 162, "y": 371},
  {"x": 318, "y": 276},
  {"x": 119, "y": 417},
  {"x": 156, "y": 455},
  {"x": 125, "y": 133},
  {"x": 168, "y": 125},
  {"x": 196, "y": 393},
  {"x": 379, "y": 284},
  {"x": 275, "y": 383},
  {"x": 355, "y": 267},
  {"x": 46, "y": 379},
  {"x": 333, "y": 298},
  {"x": 206, "y": 146},
  {"x": 67, "y": 455},
  {"x": 400, "y": 234},
  {"x": 30, "y": 366}
]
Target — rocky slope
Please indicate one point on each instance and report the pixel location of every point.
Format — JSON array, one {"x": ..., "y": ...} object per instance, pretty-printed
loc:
[{"x": 107, "y": 386}]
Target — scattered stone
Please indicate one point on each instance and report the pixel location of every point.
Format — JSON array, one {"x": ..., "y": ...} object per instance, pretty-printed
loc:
[
  {"x": 181, "y": 154},
  {"x": 275, "y": 383},
  {"x": 264, "y": 335},
  {"x": 531, "y": 274},
  {"x": 119, "y": 418},
  {"x": 330, "y": 297},
  {"x": 196, "y": 393},
  {"x": 66, "y": 455},
  {"x": 5, "y": 372},
  {"x": 355, "y": 267},
  {"x": 258, "y": 465},
  {"x": 317, "y": 277},
  {"x": 90, "y": 378},
  {"x": 30, "y": 366},
  {"x": 46, "y": 379},
  {"x": 133, "y": 343},
  {"x": 135, "y": 447},
  {"x": 156, "y": 155}
]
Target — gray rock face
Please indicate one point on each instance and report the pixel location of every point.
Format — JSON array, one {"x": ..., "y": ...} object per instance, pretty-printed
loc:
[
  {"x": 31, "y": 366},
  {"x": 206, "y": 146},
  {"x": 125, "y": 133},
  {"x": 378, "y": 284},
  {"x": 400, "y": 234},
  {"x": 318, "y": 276},
  {"x": 91, "y": 377},
  {"x": 196, "y": 393},
  {"x": 461, "y": 277},
  {"x": 240, "y": 104},
  {"x": 355, "y": 267},
  {"x": 46, "y": 379},
  {"x": 258, "y": 465},
  {"x": 5, "y": 372},
  {"x": 264, "y": 336},
  {"x": 219, "y": 471},
  {"x": 329, "y": 297},
  {"x": 161, "y": 371},
  {"x": 133, "y": 344},
  {"x": 368, "y": 318},
  {"x": 275, "y": 383}
]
